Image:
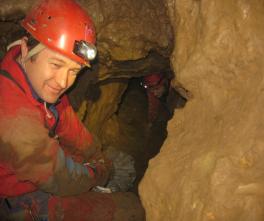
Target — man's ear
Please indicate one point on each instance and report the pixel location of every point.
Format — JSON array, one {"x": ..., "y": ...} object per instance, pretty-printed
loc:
[{"x": 24, "y": 48}]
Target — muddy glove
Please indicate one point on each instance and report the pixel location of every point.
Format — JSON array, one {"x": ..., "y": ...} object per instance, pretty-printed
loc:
[{"x": 123, "y": 174}]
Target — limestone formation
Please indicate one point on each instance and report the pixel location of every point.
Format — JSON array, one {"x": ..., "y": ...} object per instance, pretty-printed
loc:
[{"x": 211, "y": 165}]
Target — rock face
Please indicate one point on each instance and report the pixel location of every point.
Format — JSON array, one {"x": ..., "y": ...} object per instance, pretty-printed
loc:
[{"x": 211, "y": 165}]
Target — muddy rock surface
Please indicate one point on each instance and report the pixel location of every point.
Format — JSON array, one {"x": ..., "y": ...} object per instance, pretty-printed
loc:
[{"x": 211, "y": 167}]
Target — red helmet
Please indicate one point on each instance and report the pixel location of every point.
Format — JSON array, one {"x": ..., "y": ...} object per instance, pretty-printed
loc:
[
  {"x": 63, "y": 26},
  {"x": 152, "y": 80}
]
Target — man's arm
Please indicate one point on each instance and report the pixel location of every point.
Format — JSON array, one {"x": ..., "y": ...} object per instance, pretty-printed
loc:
[
  {"x": 34, "y": 156},
  {"x": 74, "y": 136}
]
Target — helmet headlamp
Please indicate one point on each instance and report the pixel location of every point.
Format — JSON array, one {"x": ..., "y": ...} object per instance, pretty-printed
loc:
[{"x": 85, "y": 50}]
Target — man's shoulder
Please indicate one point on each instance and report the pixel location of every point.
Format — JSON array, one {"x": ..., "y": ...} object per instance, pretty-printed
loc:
[
  {"x": 9, "y": 89},
  {"x": 12, "y": 98}
]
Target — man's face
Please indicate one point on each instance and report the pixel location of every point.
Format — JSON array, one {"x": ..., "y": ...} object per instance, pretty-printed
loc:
[
  {"x": 51, "y": 74},
  {"x": 158, "y": 90}
]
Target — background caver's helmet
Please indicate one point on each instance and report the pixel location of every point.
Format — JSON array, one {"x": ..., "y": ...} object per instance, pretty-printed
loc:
[
  {"x": 63, "y": 26},
  {"x": 152, "y": 80}
]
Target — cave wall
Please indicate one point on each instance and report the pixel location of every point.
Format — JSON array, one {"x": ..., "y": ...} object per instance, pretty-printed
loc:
[
  {"x": 100, "y": 112},
  {"x": 211, "y": 165}
]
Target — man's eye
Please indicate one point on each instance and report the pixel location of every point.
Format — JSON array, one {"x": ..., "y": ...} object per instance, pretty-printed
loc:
[{"x": 54, "y": 65}]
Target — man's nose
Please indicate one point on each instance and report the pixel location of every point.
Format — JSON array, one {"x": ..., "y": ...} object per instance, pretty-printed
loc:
[{"x": 62, "y": 79}]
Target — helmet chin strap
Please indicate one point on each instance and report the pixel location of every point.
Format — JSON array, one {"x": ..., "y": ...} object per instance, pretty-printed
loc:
[
  {"x": 35, "y": 51},
  {"x": 32, "y": 52},
  {"x": 17, "y": 42}
]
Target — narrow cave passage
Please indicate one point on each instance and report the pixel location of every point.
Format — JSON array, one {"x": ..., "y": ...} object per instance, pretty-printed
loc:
[{"x": 139, "y": 137}]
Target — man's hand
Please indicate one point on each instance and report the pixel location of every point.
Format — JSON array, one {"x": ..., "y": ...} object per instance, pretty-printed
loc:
[{"x": 101, "y": 168}]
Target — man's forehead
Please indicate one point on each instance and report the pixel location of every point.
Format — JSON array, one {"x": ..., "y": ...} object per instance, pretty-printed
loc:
[{"x": 61, "y": 58}]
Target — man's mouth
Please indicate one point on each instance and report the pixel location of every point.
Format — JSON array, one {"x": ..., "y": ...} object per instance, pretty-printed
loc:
[{"x": 54, "y": 90}]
